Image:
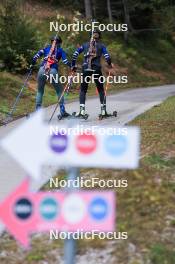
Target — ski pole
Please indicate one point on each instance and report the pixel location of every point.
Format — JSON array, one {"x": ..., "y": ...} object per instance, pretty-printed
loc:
[
  {"x": 66, "y": 88},
  {"x": 19, "y": 95},
  {"x": 106, "y": 89},
  {"x": 107, "y": 84}
]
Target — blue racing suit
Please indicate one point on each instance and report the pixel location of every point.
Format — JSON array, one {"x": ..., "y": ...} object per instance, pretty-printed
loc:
[
  {"x": 58, "y": 54},
  {"x": 100, "y": 50}
]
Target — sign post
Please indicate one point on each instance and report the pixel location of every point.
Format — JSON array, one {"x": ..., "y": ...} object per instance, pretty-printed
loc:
[{"x": 70, "y": 243}]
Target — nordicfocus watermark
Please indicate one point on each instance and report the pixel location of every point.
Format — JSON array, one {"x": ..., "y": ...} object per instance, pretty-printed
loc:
[
  {"x": 79, "y": 78},
  {"x": 82, "y": 130},
  {"x": 80, "y": 234},
  {"x": 81, "y": 182},
  {"x": 80, "y": 26}
]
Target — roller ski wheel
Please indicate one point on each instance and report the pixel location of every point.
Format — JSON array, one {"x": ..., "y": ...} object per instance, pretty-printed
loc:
[
  {"x": 114, "y": 114},
  {"x": 85, "y": 117},
  {"x": 60, "y": 117}
]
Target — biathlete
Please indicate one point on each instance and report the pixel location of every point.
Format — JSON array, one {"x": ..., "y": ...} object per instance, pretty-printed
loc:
[
  {"x": 43, "y": 73},
  {"x": 93, "y": 52}
]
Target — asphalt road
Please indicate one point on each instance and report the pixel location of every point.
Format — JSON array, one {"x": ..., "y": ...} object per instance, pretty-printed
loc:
[{"x": 128, "y": 104}]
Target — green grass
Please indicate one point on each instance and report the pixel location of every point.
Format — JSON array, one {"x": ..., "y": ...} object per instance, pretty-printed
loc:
[
  {"x": 10, "y": 86},
  {"x": 35, "y": 256},
  {"x": 144, "y": 61},
  {"x": 160, "y": 254},
  {"x": 159, "y": 162},
  {"x": 149, "y": 198},
  {"x": 142, "y": 208}
]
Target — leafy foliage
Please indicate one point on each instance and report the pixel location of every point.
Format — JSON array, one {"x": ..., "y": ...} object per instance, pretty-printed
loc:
[{"x": 18, "y": 37}]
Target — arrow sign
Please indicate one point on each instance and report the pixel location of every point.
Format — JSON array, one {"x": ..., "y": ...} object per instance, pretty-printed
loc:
[
  {"x": 32, "y": 144},
  {"x": 24, "y": 212}
]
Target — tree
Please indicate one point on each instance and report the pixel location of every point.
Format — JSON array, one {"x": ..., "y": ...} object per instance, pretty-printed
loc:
[
  {"x": 109, "y": 11},
  {"x": 88, "y": 9},
  {"x": 127, "y": 19}
]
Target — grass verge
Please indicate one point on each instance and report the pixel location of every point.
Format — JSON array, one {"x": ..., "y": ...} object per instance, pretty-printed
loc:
[{"x": 145, "y": 208}]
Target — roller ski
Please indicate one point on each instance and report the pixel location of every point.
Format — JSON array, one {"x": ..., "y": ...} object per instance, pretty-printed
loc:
[
  {"x": 63, "y": 114},
  {"x": 81, "y": 114},
  {"x": 104, "y": 113}
]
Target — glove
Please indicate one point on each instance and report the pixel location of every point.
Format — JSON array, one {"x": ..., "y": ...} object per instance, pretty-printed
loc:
[
  {"x": 31, "y": 66},
  {"x": 111, "y": 69},
  {"x": 111, "y": 66}
]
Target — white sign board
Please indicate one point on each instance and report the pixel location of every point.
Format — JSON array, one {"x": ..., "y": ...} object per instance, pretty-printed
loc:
[{"x": 35, "y": 143}]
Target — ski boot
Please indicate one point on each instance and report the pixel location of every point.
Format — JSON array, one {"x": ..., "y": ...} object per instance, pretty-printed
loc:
[
  {"x": 63, "y": 114},
  {"x": 81, "y": 114},
  {"x": 104, "y": 113},
  {"x": 38, "y": 107}
]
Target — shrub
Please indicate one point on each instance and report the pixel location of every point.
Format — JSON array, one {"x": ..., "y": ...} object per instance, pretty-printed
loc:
[{"x": 18, "y": 37}]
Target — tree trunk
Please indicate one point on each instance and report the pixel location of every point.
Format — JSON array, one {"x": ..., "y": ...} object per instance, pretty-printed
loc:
[
  {"x": 94, "y": 8},
  {"x": 109, "y": 11},
  {"x": 127, "y": 19},
  {"x": 88, "y": 9}
]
